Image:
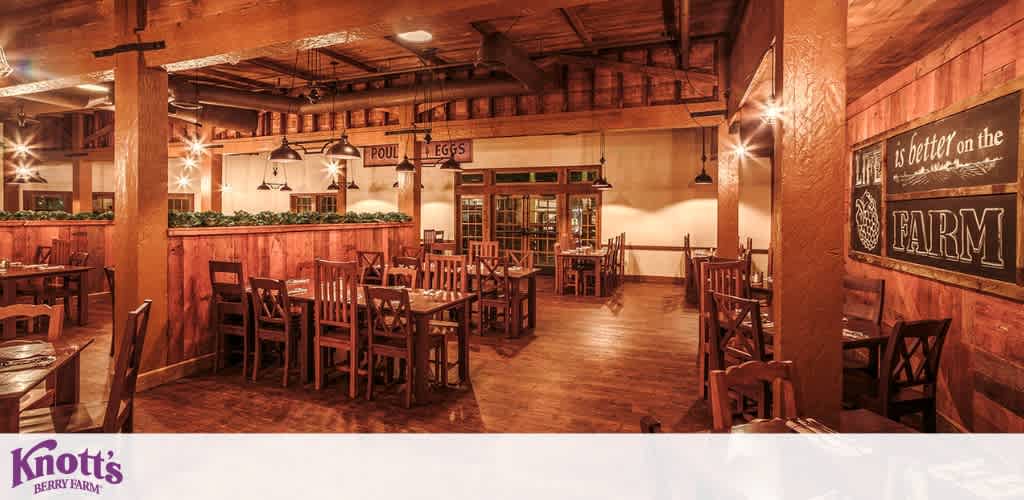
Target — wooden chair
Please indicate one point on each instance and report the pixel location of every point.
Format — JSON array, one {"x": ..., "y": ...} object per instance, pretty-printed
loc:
[
  {"x": 34, "y": 288},
  {"x": 864, "y": 299},
  {"x": 391, "y": 335},
  {"x": 108, "y": 272},
  {"x": 478, "y": 249},
  {"x": 716, "y": 275},
  {"x": 415, "y": 252},
  {"x": 429, "y": 236},
  {"x": 116, "y": 414},
  {"x": 274, "y": 319},
  {"x": 230, "y": 314},
  {"x": 68, "y": 286},
  {"x": 33, "y": 314},
  {"x": 495, "y": 300},
  {"x": 336, "y": 320},
  {"x": 909, "y": 373},
  {"x": 371, "y": 267},
  {"x": 407, "y": 263},
  {"x": 519, "y": 258},
  {"x": 408, "y": 277},
  {"x": 60, "y": 252},
  {"x": 446, "y": 272},
  {"x": 777, "y": 373},
  {"x": 738, "y": 337}
]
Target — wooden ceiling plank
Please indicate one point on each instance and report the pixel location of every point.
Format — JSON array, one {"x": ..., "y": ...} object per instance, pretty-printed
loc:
[
  {"x": 693, "y": 77},
  {"x": 287, "y": 70},
  {"x": 347, "y": 59},
  {"x": 684, "y": 34},
  {"x": 428, "y": 56},
  {"x": 573, "y": 18},
  {"x": 217, "y": 72}
]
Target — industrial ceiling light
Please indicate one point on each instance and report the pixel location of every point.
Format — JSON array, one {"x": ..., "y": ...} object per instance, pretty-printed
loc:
[
  {"x": 405, "y": 166},
  {"x": 703, "y": 177},
  {"x": 772, "y": 112},
  {"x": 285, "y": 187},
  {"x": 602, "y": 184},
  {"x": 284, "y": 153},
  {"x": 333, "y": 186},
  {"x": 450, "y": 164},
  {"x": 263, "y": 186},
  {"x": 352, "y": 185},
  {"x": 343, "y": 150},
  {"x": 416, "y": 36}
]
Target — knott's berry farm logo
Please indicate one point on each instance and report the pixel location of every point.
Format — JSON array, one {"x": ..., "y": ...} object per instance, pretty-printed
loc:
[{"x": 47, "y": 470}]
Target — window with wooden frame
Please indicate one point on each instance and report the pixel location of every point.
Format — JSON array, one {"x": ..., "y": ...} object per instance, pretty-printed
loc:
[
  {"x": 314, "y": 202},
  {"x": 584, "y": 214},
  {"x": 526, "y": 176},
  {"x": 102, "y": 202},
  {"x": 47, "y": 201},
  {"x": 181, "y": 202}
]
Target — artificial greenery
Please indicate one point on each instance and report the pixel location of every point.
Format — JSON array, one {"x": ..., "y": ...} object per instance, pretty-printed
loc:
[
  {"x": 217, "y": 219},
  {"x": 242, "y": 218},
  {"x": 54, "y": 215}
]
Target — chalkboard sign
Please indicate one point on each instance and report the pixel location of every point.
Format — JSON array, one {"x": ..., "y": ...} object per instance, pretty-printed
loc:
[
  {"x": 866, "y": 200},
  {"x": 974, "y": 235},
  {"x": 974, "y": 147}
]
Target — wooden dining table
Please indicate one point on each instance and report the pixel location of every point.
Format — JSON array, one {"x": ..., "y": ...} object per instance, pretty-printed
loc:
[
  {"x": 16, "y": 383},
  {"x": 423, "y": 303},
  {"x": 597, "y": 256},
  {"x": 859, "y": 421},
  {"x": 516, "y": 275},
  {"x": 10, "y": 277}
]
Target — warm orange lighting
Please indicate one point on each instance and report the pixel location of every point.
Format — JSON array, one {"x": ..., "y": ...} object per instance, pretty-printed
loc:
[
  {"x": 195, "y": 146},
  {"x": 417, "y": 36},
  {"x": 332, "y": 168},
  {"x": 22, "y": 171},
  {"x": 772, "y": 113},
  {"x": 189, "y": 163},
  {"x": 740, "y": 151},
  {"x": 183, "y": 182},
  {"x": 22, "y": 149},
  {"x": 225, "y": 188}
]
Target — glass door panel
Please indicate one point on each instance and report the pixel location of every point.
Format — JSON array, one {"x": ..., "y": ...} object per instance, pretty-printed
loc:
[
  {"x": 542, "y": 230},
  {"x": 583, "y": 214},
  {"x": 472, "y": 222},
  {"x": 509, "y": 229}
]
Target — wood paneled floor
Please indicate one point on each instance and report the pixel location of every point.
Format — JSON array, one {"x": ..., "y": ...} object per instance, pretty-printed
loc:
[{"x": 592, "y": 365}]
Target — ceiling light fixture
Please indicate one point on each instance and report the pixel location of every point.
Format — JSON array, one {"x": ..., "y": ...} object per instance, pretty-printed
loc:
[
  {"x": 740, "y": 151},
  {"x": 352, "y": 185},
  {"x": 416, "y": 36},
  {"x": 703, "y": 177},
  {"x": 183, "y": 182},
  {"x": 5, "y": 68},
  {"x": 772, "y": 112},
  {"x": 285, "y": 153},
  {"x": 602, "y": 184}
]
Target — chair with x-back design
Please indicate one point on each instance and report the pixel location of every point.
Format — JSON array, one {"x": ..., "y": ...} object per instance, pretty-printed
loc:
[
  {"x": 371, "y": 267},
  {"x": 275, "y": 321},
  {"x": 909, "y": 373},
  {"x": 737, "y": 337}
]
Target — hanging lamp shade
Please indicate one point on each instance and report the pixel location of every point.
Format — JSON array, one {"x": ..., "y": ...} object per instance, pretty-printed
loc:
[
  {"x": 343, "y": 150},
  {"x": 263, "y": 187},
  {"x": 450, "y": 164},
  {"x": 602, "y": 184},
  {"x": 405, "y": 166},
  {"x": 352, "y": 185},
  {"x": 285, "y": 153},
  {"x": 333, "y": 186},
  {"x": 285, "y": 187},
  {"x": 703, "y": 177}
]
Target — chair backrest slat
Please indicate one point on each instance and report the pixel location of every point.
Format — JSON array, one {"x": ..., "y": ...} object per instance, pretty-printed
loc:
[
  {"x": 389, "y": 313},
  {"x": 736, "y": 330},
  {"x": 492, "y": 274},
  {"x": 478, "y": 249},
  {"x": 371, "y": 265},
  {"x": 270, "y": 300},
  {"x": 912, "y": 356},
  {"x": 43, "y": 254},
  {"x": 864, "y": 298},
  {"x": 402, "y": 276},
  {"x": 53, "y": 314},
  {"x": 446, "y": 272},
  {"x": 60, "y": 252},
  {"x": 127, "y": 360},
  {"x": 227, "y": 281},
  {"x": 335, "y": 286},
  {"x": 777, "y": 373}
]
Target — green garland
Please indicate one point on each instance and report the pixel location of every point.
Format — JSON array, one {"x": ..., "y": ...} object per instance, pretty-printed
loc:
[{"x": 217, "y": 219}]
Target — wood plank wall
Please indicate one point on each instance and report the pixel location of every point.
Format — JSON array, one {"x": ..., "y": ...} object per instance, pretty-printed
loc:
[
  {"x": 18, "y": 242},
  {"x": 983, "y": 361},
  {"x": 274, "y": 252}
]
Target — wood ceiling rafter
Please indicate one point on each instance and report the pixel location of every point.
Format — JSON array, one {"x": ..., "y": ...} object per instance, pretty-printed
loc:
[
  {"x": 347, "y": 59},
  {"x": 219, "y": 73},
  {"x": 287, "y": 70},
  {"x": 574, "y": 22}
]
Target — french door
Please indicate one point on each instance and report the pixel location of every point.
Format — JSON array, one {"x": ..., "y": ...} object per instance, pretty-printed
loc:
[{"x": 527, "y": 222}]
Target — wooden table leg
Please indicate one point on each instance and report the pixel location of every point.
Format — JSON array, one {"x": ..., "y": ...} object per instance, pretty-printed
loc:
[
  {"x": 463, "y": 313},
  {"x": 10, "y": 326},
  {"x": 305, "y": 366},
  {"x": 69, "y": 382},
  {"x": 515, "y": 316},
  {"x": 599, "y": 273},
  {"x": 9, "y": 415},
  {"x": 421, "y": 355},
  {"x": 83, "y": 301},
  {"x": 532, "y": 301}
]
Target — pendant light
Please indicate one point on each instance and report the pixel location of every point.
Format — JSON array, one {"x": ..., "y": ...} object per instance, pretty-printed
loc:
[
  {"x": 602, "y": 184},
  {"x": 285, "y": 153},
  {"x": 703, "y": 177},
  {"x": 341, "y": 150},
  {"x": 352, "y": 185},
  {"x": 333, "y": 186},
  {"x": 450, "y": 164}
]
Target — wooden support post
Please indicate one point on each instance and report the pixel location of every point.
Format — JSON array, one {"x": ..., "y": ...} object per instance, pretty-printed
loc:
[
  {"x": 140, "y": 164},
  {"x": 410, "y": 195},
  {"x": 81, "y": 170},
  {"x": 211, "y": 179},
  {"x": 341, "y": 196},
  {"x": 728, "y": 194},
  {"x": 810, "y": 170}
]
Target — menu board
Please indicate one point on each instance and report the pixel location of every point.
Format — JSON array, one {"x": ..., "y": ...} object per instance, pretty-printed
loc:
[
  {"x": 975, "y": 235},
  {"x": 975, "y": 147},
  {"x": 866, "y": 200}
]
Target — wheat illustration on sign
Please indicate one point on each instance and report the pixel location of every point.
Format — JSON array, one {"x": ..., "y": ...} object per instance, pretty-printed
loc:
[{"x": 867, "y": 221}]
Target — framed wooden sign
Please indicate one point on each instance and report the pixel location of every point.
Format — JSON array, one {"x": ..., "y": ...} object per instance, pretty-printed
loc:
[
  {"x": 973, "y": 235},
  {"x": 437, "y": 150},
  {"x": 975, "y": 147},
  {"x": 866, "y": 200},
  {"x": 381, "y": 155}
]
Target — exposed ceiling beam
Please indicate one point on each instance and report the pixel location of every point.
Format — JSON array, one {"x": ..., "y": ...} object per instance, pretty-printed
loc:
[
  {"x": 223, "y": 31},
  {"x": 668, "y": 16},
  {"x": 287, "y": 70},
  {"x": 684, "y": 34},
  {"x": 691, "y": 76},
  {"x": 241, "y": 80},
  {"x": 428, "y": 56},
  {"x": 483, "y": 27},
  {"x": 577, "y": 25},
  {"x": 349, "y": 60}
]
